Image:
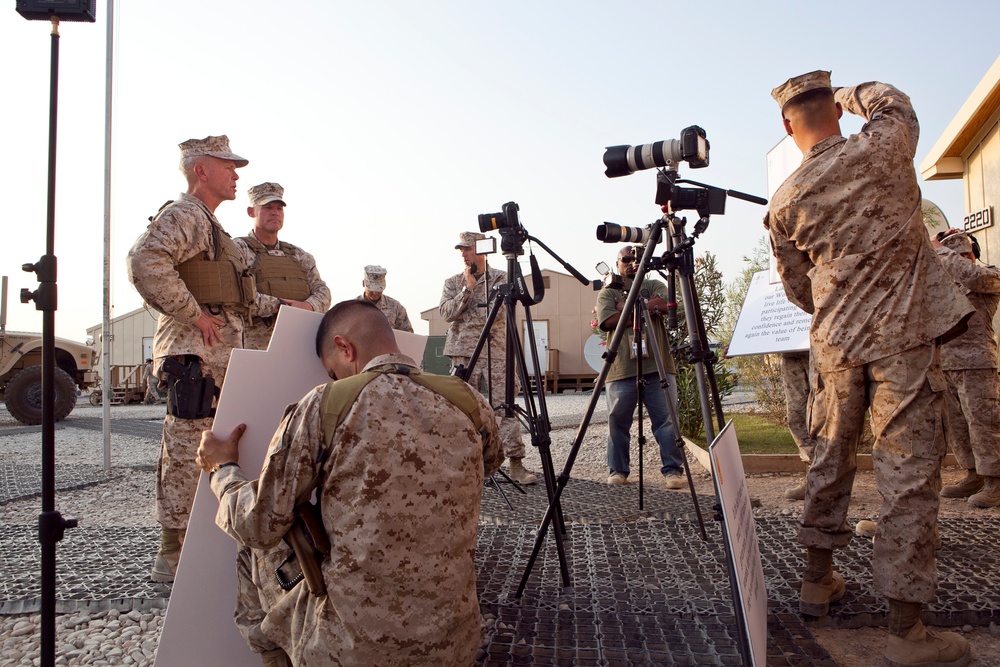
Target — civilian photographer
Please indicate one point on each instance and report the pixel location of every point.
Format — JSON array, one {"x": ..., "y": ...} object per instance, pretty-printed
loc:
[{"x": 621, "y": 383}]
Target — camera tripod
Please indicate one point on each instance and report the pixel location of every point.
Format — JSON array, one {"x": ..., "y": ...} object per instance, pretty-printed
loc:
[
  {"x": 678, "y": 258},
  {"x": 535, "y": 418}
]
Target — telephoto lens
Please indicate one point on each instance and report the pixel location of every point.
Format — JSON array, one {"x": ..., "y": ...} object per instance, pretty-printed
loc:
[{"x": 609, "y": 232}]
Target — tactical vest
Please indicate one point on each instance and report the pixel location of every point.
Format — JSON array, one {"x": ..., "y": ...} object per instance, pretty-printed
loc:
[
  {"x": 279, "y": 275},
  {"x": 223, "y": 281}
]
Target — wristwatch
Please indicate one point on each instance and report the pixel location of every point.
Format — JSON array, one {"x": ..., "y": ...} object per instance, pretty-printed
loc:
[
  {"x": 466, "y": 290},
  {"x": 223, "y": 465}
]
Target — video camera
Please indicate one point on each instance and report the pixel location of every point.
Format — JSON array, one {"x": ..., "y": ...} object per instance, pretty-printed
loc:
[{"x": 692, "y": 148}]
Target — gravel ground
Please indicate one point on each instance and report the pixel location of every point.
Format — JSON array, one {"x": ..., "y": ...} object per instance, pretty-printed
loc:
[{"x": 113, "y": 638}]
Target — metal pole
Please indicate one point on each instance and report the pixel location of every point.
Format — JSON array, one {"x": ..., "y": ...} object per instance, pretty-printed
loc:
[
  {"x": 106, "y": 322},
  {"x": 49, "y": 520}
]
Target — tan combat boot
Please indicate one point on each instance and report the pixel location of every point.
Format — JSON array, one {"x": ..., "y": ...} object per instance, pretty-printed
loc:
[
  {"x": 797, "y": 492},
  {"x": 910, "y": 644},
  {"x": 989, "y": 496},
  {"x": 821, "y": 586},
  {"x": 169, "y": 554},
  {"x": 972, "y": 483},
  {"x": 520, "y": 474}
]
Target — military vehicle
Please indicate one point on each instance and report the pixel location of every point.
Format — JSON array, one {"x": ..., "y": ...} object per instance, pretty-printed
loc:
[{"x": 21, "y": 372}]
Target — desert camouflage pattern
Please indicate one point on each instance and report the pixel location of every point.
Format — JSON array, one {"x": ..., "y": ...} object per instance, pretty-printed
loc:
[
  {"x": 265, "y": 193},
  {"x": 795, "y": 380},
  {"x": 257, "y": 592},
  {"x": 973, "y": 413},
  {"x": 212, "y": 146},
  {"x": 258, "y": 334},
  {"x": 977, "y": 347},
  {"x": 181, "y": 231},
  {"x": 851, "y": 248},
  {"x": 970, "y": 364},
  {"x": 624, "y": 366},
  {"x": 393, "y": 311},
  {"x": 847, "y": 233},
  {"x": 404, "y": 477},
  {"x": 510, "y": 427},
  {"x": 905, "y": 393},
  {"x": 467, "y": 313}
]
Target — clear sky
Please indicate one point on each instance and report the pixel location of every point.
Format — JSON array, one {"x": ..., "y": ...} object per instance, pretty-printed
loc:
[{"x": 391, "y": 125}]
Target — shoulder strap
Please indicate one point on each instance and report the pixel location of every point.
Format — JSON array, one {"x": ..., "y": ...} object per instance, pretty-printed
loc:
[{"x": 340, "y": 395}]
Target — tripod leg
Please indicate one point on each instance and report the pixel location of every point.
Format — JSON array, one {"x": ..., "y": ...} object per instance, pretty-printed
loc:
[{"x": 493, "y": 483}]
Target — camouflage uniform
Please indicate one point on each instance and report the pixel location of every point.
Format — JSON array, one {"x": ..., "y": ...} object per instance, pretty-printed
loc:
[
  {"x": 181, "y": 231},
  {"x": 621, "y": 391},
  {"x": 393, "y": 311},
  {"x": 401, "y": 583},
  {"x": 970, "y": 364},
  {"x": 795, "y": 380},
  {"x": 851, "y": 248},
  {"x": 258, "y": 334},
  {"x": 467, "y": 320}
]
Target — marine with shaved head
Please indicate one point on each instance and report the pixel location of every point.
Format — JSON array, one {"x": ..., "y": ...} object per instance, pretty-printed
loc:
[{"x": 401, "y": 458}]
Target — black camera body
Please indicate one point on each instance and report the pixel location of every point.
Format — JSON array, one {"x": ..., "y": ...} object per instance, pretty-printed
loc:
[
  {"x": 506, "y": 219},
  {"x": 707, "y": 201},
  {"x": 692, "y": 147}
]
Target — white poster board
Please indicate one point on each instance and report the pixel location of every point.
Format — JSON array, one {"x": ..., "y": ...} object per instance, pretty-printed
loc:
[
  {"x": 782, "y": 160},
  {"x": 768, "y": 321},
  {"x": 198, "y": 628},
  {"x": 740, "y": 533}
]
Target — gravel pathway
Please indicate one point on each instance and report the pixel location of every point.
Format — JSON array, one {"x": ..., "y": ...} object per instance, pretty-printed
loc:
[{"x": 125, "y": 498}]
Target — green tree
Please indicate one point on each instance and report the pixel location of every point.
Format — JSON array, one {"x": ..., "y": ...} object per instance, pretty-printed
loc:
[
  {"x": 712, "y": 301},
  {"x": 759, "y": 372}
]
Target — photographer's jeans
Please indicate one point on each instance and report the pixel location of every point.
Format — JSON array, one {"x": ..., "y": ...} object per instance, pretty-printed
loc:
[{"x": 622, "y": 399}]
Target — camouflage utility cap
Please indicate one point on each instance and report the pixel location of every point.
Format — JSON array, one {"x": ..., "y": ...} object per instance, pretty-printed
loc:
[
  {"x": 468, "y": 239},
  {"x": 265, "y": 193},
  {"x": 212, "y": 146},
  {"x": 374, "y": 278},
  {"x": 960, "y": 242},
  {"x": 803, "y": 83}
]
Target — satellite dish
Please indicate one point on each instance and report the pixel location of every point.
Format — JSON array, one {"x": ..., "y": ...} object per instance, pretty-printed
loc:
[
  {"x": 934, "y": 219},
  {"x": 593, "y": 352}
]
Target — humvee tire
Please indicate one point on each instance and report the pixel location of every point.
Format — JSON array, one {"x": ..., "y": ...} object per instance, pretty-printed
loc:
[{"x": 23, "y": 396}]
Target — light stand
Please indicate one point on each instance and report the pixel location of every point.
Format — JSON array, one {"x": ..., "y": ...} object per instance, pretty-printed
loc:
[{"x": 51, "y": 524}]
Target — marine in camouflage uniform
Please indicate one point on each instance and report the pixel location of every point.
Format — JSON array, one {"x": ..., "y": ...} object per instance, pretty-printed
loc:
[
  {"x": 286, "y": 274},
  {"x": 795, "y": 382},
  {"x": 847, "y": 231},
  {"x": 465, "y": 302},
  {"x": 374, "y": 284},
  {"x": 399, "y": 443},
  {"x": 184, "y": 237},
  {"x": 970, "y": 364}
]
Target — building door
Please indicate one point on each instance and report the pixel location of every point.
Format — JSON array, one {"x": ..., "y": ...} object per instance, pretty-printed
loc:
[{"x": 541, "y": 328}]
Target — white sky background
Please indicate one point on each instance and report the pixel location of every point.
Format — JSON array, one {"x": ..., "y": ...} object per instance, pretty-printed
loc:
[{"x": 391, "y": 125}]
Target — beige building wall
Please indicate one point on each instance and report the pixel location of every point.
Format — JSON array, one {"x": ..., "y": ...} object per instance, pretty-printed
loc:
[
  {"x": 566, "y": 308},
  {"x": 128, "y": 331}
]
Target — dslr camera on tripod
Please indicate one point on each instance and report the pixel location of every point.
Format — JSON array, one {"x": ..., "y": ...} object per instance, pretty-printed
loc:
[{"x": 692, "y": 148}]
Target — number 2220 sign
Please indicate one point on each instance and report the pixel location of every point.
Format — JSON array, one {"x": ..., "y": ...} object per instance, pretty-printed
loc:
[{"x": 978, "y": 220}]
